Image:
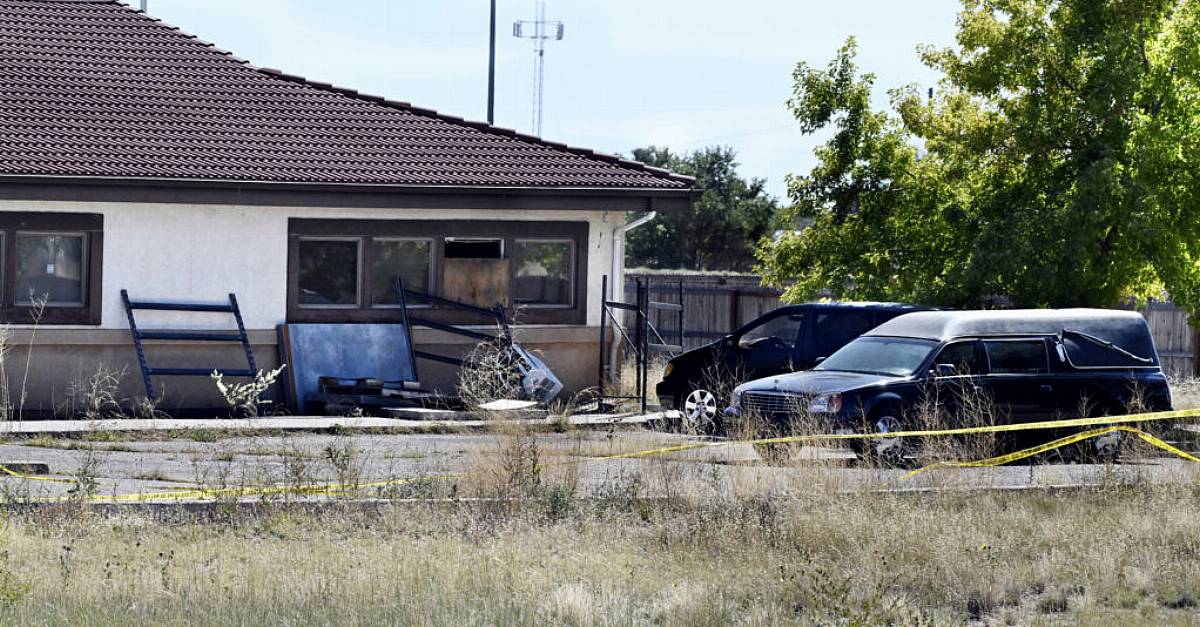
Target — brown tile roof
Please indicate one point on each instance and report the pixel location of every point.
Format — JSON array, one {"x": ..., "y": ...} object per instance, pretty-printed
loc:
[{"x": 93, "y": 88}]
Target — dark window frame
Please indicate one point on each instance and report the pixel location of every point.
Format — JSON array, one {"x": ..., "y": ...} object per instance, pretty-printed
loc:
[
  {"x": 437, "y": 231},
  {"x": 91, "y": 227}
]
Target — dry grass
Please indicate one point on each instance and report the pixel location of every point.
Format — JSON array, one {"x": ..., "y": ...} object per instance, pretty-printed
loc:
[
  {"x": 1117, "y": 556},
  {"x": 669, "y": 540}
]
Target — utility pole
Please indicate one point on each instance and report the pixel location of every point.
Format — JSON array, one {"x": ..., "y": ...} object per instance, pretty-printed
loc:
[
  {"x": 144, "y": 3},
  {"x": 491, "y": 111},
  {"x": 538, "y": 31}
]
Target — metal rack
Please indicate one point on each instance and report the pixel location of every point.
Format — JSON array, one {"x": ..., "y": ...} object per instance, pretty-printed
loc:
[
  {"x": 139, "y": 336},
  {"x": 643, "y": 340},
  {"x": 496, "y": 314}
]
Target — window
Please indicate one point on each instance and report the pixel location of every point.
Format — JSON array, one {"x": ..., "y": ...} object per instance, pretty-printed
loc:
[
  {"x": 543, "y": 272},
  {"x": 50, "y": 267},
  {"x": 396, "y": 260},
  {"x": 964, "y": 356},
  {"x": 891, "y": 356},
  {"x": 834, "y": 329},
  {"x": 329, "y": 272},
  {"x": 1090, "y": 351},
  {"x": 782, "y": 331},
  {"x": 50, "y": 258},
  {"x": 473, "y": 248},
  {"x": 350, "y": 270},
  {"x": 1017, "y": 356}
]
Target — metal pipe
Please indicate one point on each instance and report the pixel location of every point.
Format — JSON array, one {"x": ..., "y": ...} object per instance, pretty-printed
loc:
[
  {"x": 491, "y": 94},
  {"x": 618, "y": 259},
  {"x": 617, "y": 283}
]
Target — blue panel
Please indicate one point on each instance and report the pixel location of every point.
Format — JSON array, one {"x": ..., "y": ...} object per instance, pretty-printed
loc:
[{"x": 349, "y": 351}]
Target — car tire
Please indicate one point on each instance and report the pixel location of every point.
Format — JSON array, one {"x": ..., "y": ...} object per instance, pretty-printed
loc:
[
  {"x": 1104, "y": 449},
  {"x": 699, "y": 410},
  {"x": 885, "y": 452}
]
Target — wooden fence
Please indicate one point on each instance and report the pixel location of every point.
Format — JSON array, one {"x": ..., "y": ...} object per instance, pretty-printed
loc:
[
  {"x": 716, "y": 304},
  {"x": 713, "y": 304}
]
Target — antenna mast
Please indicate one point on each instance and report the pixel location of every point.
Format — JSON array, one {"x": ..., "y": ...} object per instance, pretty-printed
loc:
[
  {"x": 539, "y": 30},
  {"x": 491, "y": 103}
]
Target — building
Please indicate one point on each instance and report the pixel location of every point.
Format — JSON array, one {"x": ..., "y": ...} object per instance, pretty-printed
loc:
[{"x": 134, "y": 156}]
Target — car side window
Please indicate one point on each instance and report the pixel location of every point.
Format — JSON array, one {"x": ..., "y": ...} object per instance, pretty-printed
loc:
[
  {"x": 780, "y": 331},
  {"x": 1017, "y": 356},
  {"x": 963, "y": 356},
  {"x": 834, "y": 329}
]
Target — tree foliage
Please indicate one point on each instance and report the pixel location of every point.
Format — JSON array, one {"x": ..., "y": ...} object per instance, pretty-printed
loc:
[
  {"x": 725, "y": 223},
  {"x": 1057, "y": 165}
]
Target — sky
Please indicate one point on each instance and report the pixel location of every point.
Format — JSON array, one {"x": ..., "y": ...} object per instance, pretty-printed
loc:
[{"x": 628, "y": 73}]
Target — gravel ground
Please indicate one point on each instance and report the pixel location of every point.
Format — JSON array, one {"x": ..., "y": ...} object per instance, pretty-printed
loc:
[{"x": 125, "y": 465}]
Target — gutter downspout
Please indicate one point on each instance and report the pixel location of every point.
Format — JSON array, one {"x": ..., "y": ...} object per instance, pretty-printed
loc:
[
  {"x": 617, "y": 283},
  {"x": 618, "y": 258}
]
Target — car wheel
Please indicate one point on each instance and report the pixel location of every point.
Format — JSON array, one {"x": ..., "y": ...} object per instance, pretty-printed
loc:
[
  {"x": 1104, "y": 449},
  {"x": 885, "y": 452},
  {"x": 699, "y": 411}
]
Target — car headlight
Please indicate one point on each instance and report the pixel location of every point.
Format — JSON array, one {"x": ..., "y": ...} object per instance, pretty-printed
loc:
[
  {"x": 735, "y": 401},
  {"x": 668, "y": 369},
  {"x": 825, "y": 404}
]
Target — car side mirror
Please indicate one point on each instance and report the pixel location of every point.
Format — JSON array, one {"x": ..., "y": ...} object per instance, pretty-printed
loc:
[{"x": 945, "y": 370}]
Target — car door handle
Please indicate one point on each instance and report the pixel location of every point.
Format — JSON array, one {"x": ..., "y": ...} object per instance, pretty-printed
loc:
[{"x": 1046, "y": 388}]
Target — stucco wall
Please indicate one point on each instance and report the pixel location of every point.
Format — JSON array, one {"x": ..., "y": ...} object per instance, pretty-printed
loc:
[
  {"x": 203, "y": 252},
  {"x": 63, "y": 360}
]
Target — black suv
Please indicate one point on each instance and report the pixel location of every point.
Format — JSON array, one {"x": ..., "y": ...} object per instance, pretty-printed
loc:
[
  {"x": 1028, "y": 364},
  {"x": 785, "y": 340}
]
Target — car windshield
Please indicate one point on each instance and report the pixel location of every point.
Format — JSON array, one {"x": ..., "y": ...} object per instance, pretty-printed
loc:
[{"x": 893, "y": 356}]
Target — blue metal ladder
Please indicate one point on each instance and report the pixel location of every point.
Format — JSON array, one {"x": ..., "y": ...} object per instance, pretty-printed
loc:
[{"x": 190, "y": 336}]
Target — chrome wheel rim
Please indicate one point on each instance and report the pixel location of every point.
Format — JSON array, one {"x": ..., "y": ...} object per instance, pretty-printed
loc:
[
  {"x": 889, "y": 448},
  {"x": 699, "y": 408},
  {"x": 1107, "y": 446}
]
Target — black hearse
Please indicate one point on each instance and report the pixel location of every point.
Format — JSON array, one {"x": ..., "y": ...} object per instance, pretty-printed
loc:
[
  {"x": 1030, "y": 364},
  {"x": 787, "y": 339}
]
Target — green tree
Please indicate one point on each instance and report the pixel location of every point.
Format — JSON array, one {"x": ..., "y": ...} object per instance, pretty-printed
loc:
[
  {"x": 725, "y": 223},
  {"x": 1057, "y": 164}
]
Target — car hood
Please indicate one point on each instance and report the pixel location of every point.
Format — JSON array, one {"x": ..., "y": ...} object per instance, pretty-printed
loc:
[
  {"x": 816, "y": 382},
  {"x": 702, "y": 356}
]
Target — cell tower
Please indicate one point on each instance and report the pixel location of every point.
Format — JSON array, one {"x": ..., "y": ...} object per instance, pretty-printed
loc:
[{"x": 539, "y": 30}]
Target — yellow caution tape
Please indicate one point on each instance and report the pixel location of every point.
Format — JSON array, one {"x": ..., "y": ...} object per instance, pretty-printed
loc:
[
  {"x": 1000, "y": 460},
  {"x": 20, "y": 475},
  {"x": 1107, "y": 424},
  {"x": 1021, "y": 426}
]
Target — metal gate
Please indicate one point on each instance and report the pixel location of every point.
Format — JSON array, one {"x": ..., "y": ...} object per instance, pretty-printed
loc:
[{"x": 641, "y": 339}]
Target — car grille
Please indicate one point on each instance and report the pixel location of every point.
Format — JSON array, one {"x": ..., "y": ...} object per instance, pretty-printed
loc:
[{"x": 772, "y": 403}]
